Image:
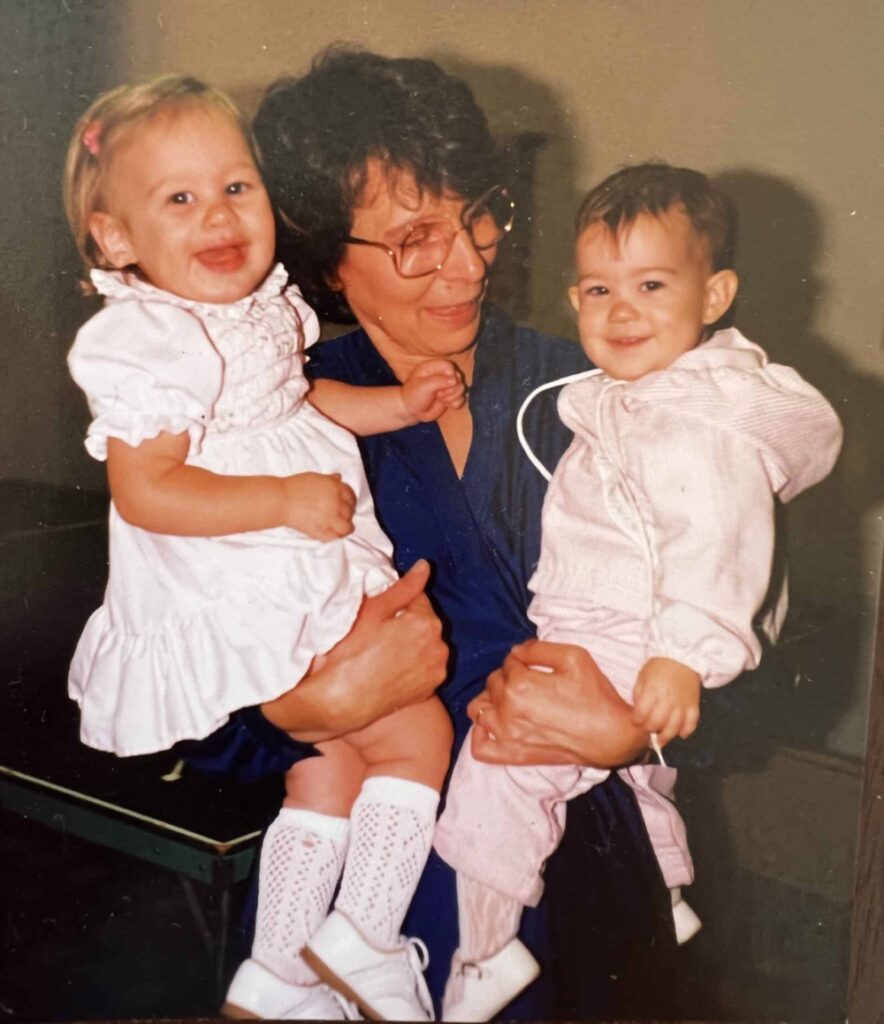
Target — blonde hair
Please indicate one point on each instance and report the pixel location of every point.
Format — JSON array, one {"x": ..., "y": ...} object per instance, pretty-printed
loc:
[{"x": 105, "y": 127}]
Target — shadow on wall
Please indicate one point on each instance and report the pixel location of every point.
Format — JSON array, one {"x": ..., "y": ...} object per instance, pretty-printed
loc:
[
  {"x": 527, "y": 117},
  {"x": 54, "y": 58},
  {"x": 779, "y": 249}
]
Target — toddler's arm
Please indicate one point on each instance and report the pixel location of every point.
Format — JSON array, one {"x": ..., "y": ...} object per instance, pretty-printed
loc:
[
  {"x": 433, "y": 387},
  {"x": 667, "y": 699},
  {"x": 153, "y": 488}
]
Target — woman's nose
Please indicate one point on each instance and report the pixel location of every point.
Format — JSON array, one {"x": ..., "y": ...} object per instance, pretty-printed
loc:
[{"x": 464, "y": 261}]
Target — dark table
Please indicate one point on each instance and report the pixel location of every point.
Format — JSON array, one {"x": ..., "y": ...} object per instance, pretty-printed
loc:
[{"x": 53, "y": 565}]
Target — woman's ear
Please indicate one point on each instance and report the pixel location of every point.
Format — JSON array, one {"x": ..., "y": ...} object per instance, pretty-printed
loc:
[
  {"x": 721, "y": 289},
  {"x": 112, "y": 239},
  {"x": 333, "y": 282}
]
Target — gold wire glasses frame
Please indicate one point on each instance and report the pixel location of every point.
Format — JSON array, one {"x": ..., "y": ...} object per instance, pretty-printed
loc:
[{"x": 427, "y": 245}]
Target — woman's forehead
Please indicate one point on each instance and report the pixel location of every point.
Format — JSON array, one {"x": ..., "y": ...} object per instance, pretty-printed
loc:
[{"x": 391, "y": 196}]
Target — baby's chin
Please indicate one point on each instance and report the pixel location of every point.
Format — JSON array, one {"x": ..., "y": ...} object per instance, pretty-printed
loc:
[{"x": 220, "y": 285}]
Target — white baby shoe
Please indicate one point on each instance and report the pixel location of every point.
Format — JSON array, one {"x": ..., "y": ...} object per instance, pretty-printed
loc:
[
  {"x": 477, "y": 990},
  {"x": 384, "y": 984},
  {"x": 258, "y": 994}
]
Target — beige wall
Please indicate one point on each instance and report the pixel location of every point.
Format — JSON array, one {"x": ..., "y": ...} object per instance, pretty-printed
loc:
[
  {"x": 781, "y": 100},
  {"x": 790, "y": 90}
]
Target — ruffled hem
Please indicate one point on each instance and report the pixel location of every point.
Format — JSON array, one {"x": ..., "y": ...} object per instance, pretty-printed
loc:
[{"x": 141, "y": 693}]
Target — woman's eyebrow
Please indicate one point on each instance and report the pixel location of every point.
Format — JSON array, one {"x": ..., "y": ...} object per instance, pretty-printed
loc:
[{"x": 411, "y": 218}]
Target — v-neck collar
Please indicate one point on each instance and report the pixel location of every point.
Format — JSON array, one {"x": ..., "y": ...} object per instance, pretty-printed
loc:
[{"x": 379, "y": 372}]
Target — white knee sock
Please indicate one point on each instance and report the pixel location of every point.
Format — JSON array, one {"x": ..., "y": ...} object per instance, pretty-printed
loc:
[
  {"x": 486, "y": 919},
  {"x": 301, "y": 860},
  {"x": 392, "y": 824}
]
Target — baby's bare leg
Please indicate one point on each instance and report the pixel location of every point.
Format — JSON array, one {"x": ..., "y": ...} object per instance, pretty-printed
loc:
[
  {"x": 413, "y": 743},
  {"x": 328, "y": 784},
  {"x": 392, "y": 821}
]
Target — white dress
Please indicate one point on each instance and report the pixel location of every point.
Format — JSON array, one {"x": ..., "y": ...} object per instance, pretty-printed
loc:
[{"x": 193, "y": 628}]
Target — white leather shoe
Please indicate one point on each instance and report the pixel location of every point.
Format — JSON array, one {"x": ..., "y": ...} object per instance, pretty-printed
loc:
[
  {"x": 687, "y": 924},
  {"x": 384, "y": 985},
  {"x": 258, "y": 994},
  {"x": 477, "y": 990}
]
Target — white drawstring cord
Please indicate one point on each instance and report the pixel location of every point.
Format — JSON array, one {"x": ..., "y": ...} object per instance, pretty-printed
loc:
[
  {"x": 545, "y": 473},
  {"x": 526, "y": 448}
]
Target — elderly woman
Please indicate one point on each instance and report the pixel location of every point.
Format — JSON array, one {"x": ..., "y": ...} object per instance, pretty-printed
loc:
[{"x": 392, "y": 206}]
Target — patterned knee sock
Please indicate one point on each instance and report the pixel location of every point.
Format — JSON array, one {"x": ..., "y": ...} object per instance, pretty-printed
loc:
[
  {"x": 487, "y": 919},
  {"x": 301, "y": 860},
  {"x": 392, "y": 825}
]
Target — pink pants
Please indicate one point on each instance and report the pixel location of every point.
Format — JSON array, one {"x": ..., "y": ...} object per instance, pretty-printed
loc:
[{"x": 501, "y": 823}]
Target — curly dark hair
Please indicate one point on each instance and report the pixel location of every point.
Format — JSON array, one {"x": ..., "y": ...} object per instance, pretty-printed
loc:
[
  {"x": 315, "y": 135},
  {"x": 654, "y": 188}
]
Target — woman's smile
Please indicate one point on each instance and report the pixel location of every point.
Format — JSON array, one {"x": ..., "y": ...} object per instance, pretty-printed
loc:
[{"x": 458, "y": 313}]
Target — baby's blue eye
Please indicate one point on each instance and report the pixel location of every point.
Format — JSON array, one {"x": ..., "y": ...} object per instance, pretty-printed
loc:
[{"x": 181, "y": 198}]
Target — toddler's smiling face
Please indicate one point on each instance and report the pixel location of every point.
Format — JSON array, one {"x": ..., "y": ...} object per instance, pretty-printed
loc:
[
  {"x": 185, "y": 203},
  {"x": 646, "y": 293}
]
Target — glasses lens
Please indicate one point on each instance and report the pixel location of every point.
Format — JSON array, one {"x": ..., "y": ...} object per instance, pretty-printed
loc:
[
  {"x": 425, "y": 248},
  {"x": 427, "y": 245},
  {"x": 489, "y": 219}
]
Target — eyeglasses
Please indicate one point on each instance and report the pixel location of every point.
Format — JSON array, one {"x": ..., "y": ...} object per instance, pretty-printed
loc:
[{"x": 428, "y": 243}]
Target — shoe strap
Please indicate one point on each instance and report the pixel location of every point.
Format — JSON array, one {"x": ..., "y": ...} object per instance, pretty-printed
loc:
[
  {"x": 419, "y": 959},
  {"x": 418, "y": 954},
  {"x": 468, "y": 967}
]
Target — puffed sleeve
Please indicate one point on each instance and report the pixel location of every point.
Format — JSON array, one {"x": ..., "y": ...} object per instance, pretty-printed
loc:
[
  {"x": 308, "y": 322},
  {"x": 707, "y": 505},
  {"x": 145, "y": 368}
]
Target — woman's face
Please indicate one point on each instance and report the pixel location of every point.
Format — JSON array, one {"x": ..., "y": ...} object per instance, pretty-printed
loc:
[{"x": 411, "y": 319}]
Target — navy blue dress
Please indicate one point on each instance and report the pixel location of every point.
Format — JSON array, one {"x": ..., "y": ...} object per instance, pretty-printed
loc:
[{"x": 603, "y": 932}]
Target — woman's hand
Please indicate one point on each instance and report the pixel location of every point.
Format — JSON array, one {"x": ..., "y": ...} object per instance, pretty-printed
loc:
[
  {"x": 550, "y": 704},
  {"x": 392, "y": 657}
]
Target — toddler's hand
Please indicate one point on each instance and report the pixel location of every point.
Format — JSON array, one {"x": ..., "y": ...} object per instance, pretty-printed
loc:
[
  {"x": 435, "y": 386},
  {"x": 318, "y": 504},
  {"x": 667, "y": 699}
]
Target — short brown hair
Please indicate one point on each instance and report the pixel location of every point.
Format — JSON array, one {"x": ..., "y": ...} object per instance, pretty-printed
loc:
[
  {"x": 656, "y": 187},
  {"x": 106, "y": 124},
  {"x": 317, "y": 133}
]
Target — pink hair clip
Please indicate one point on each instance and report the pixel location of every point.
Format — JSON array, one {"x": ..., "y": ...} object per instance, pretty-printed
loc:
[{"x": 91, "y": 134}]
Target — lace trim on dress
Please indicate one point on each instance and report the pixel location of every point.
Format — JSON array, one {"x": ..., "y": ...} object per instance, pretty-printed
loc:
[{"x": 123, "y": 284}]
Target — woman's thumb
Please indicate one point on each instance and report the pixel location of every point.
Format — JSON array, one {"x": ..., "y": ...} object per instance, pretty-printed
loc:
[{"x": 397, "y": 597}]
